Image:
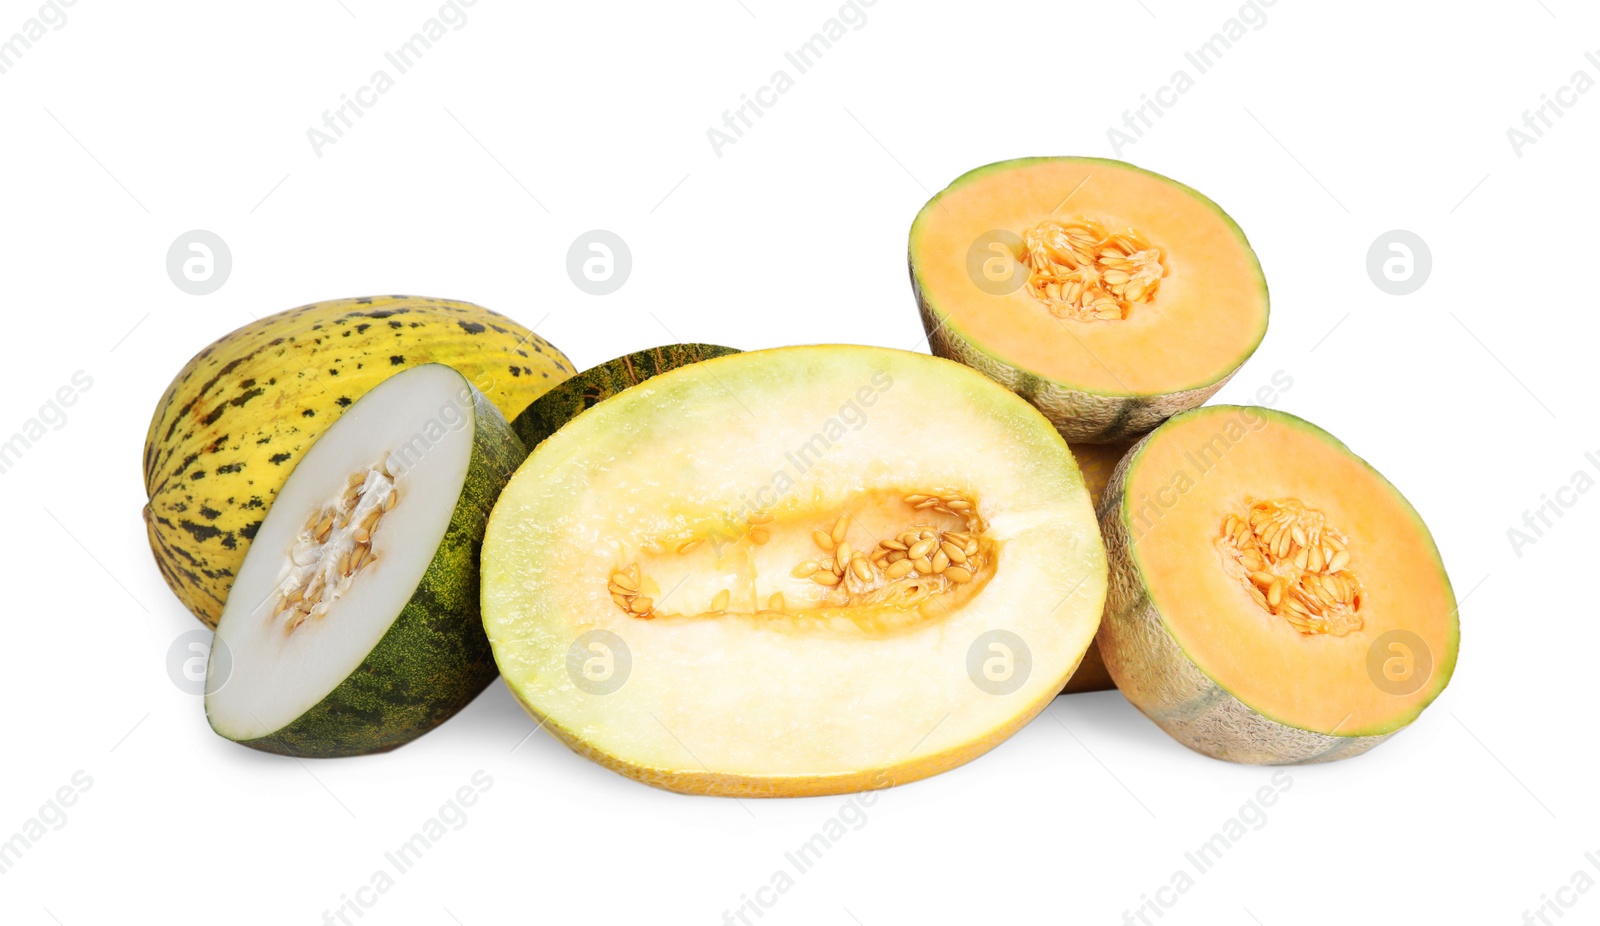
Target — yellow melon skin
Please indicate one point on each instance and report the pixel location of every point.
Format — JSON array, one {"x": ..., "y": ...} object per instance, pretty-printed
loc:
[
  {"x": 237, "y": 418},
  {"x": 712, "y": 784},
  {"x": 1159, "y": 677}
]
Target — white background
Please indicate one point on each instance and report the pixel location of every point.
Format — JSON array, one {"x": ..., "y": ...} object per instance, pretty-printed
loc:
[{"x": 1322, "y": 129}]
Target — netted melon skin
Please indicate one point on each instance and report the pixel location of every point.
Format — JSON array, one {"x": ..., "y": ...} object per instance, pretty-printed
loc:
[
  {"x": 1082, "y": 417},
  {"x": 1158, "y": 678}
]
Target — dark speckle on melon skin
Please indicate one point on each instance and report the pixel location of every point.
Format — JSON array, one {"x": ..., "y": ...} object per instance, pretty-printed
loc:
[
  {"x": 435, "y": 657},
  {"x": 415, "y": 325},
  {"x": 200, "y": 532}
]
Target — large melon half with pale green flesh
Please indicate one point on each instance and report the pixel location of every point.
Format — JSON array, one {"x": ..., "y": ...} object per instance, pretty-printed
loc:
[
  {"x": 1109, "y": 296},
  {"x": 353, "y": 626},
  {"x": 236, "y": 419},
  {"x": 807, "y": 570},
  {"x": 1273, "y": 600}
]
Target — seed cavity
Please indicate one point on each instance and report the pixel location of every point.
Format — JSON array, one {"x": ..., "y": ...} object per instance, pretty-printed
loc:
[
  {"x": 905, "y": 570},
  {"x": 333, "y": 547},
  {"x": 1293, "y": 564},
  {"x": 1082, "y": 272}
]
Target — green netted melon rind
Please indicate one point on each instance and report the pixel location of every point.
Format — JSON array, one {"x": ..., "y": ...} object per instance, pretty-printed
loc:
[{"x": 546, "y": 414}]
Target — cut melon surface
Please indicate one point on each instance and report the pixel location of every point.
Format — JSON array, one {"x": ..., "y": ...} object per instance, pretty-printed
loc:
[
  {"x": 353, "y": 624},
  {"x": 1109, "y": 296},
  {"x": 696, "y": 581},
  {"x": 1274, "y": 599}
]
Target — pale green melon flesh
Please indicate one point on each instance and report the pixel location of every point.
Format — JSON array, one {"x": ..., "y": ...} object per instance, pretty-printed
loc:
[{"x": 815, "y": 693}]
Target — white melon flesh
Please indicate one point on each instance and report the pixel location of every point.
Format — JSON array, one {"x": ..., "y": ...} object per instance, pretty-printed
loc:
[
  {"x": 419, "y": 425},
  {"x": 808, "y": 694}
]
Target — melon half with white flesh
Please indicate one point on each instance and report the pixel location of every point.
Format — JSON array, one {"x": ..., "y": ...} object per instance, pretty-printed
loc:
[
  {"x": 808, "y": 570},
  {"x": 353, "y": 626}
]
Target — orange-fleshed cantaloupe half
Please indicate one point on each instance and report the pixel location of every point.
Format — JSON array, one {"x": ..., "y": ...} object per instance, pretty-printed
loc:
[
  {"x": 1108, "y": 296},
  {"x": 1274, "y": 600}
]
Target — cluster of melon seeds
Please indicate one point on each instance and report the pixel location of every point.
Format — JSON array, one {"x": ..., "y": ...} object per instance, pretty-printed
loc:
[
  {"x": 624, "y": 588},
  {"x": 333, "y": 547},
  {"x": 1082, "y": 272},
  {"x": 1293, "y": 564},
  {"x": 908, "y": 568}
]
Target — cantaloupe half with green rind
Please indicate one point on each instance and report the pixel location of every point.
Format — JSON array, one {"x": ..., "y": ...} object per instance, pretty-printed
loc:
[
  {"x": 1108, "y": 296},
  {"x": 808, "y": 570},
  {"x": 353, "y": 626},
  {"x": 1274, "y": 599}
]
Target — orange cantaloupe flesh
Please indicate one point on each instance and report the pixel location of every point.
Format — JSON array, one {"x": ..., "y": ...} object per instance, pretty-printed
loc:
[
  {"x": 1210, "y": 465},
  {"x": 1209, "y": 312}
]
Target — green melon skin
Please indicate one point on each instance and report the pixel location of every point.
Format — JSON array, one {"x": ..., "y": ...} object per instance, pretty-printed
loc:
[
  {"x": 1081, "y": 415},
  {"x": 435, "y": 657},
  {"x": 549, "y": 412}
]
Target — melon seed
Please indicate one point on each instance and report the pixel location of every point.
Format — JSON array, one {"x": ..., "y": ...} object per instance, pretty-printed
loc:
[{"x": 1292, "y": 563}]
